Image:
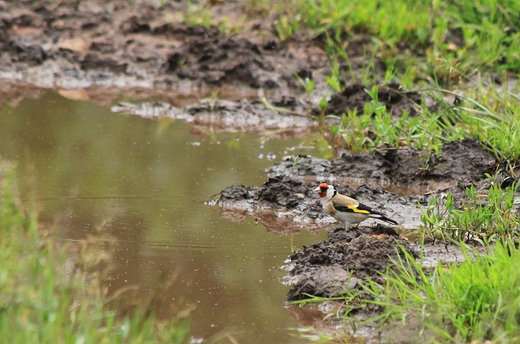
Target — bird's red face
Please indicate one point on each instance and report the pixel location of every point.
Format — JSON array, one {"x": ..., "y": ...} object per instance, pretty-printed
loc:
[{"x": 322, "y": 190}]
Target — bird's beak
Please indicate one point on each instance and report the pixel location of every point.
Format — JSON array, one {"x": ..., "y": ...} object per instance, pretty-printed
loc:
[{"x": 318, "y": 190}]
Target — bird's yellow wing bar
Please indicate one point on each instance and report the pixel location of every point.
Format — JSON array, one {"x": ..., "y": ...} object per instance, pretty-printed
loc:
[
  {"x": 351, "y": 208},
  {"x": 358, "y": 210}
]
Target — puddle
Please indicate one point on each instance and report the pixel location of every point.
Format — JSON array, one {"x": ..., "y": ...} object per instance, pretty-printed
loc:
[{"x": 144, "y": 183}]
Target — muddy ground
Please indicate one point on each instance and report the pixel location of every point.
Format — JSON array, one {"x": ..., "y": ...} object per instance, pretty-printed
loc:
[
  {"x": 347, "y": 257},
  {"x": 97, "y": 50},
  {"x": 124, "y": 43},
  {"x": 139, "y": 45}
]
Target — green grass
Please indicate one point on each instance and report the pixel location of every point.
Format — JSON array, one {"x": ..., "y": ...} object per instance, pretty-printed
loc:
[
  {"x": 437, "y": 41},
  {"x": 420, "y": 43},
  {"x": 432, "y": 42},
  {"x": 377, "y": 128},
  {"x": 475, "y": 300},
  {"x": 492, "y": 119},
  {"x": 52, "y": 293},
  {"x": 444, "y": 40},
  {"x": 470, "y": 301},
  {"x": 197, "y": 14},
  {"x": 486, "y": 216},
  {"x": 489, "y": 118}
]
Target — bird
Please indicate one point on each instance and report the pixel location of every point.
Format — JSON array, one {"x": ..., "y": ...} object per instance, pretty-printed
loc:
[{"x": 346, "y": 209}]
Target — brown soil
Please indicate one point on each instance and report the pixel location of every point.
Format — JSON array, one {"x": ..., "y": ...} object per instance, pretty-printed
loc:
[
  {"x": 95, "y": 50},
  {"x": 342, "y": 260},
  {"x": 347, "y": 258},
  {"x": 136, "y": 43},
  {"x": 286, "y": 205},
  {"x": 464, "y": 161},
  {"x": 354, "y": 98}
]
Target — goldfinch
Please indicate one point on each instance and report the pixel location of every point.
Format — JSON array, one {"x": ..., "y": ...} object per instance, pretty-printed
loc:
[{"x": 346, "y": 209}]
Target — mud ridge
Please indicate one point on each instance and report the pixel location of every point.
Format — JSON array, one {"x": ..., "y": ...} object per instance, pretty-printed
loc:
[
  {"x": 354, "y": 97},
  {"x": 229, "y": 116},
  {"x": 344, "y": 260},
  {"x": 347, "y": 258},
  {"x": 341, "y": 261},
  {"x": 464, "y": 161},
  {"x": 293, "y": 203}
]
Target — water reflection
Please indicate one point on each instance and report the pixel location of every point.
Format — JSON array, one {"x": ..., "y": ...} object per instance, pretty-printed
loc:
[{"x": 143, "y": 184}]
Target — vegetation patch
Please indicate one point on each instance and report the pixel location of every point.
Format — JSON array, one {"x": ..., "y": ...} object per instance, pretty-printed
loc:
[
  {"x": 479, "y": 216},
  {"x": 416, "y": 93},
  {"x": 439, "y": 41},
  {"x": 476, "y": 300}
]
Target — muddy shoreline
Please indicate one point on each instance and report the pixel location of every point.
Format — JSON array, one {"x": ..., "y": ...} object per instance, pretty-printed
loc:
[
  {"x": 347, "y": 257},
  {"x": 144, "y": 49}
]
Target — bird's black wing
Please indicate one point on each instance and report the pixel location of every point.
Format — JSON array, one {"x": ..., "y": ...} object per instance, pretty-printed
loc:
[{"x": 359, "y": 209}]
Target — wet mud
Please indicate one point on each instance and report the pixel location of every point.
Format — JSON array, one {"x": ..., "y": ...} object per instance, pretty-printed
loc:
[
  {"x": 286, "y": 206},
  {"x": 354, "y": 97},
  {"x": 97, "y": 50},
  {"x": 122, "y": 43},
  {"x": 286, "y": 197},
  {"x": 344, "y": 259},
  {"x": 349, "y": 257},
  {"x": 465, "y": 161},
  {"x": 251, "y": 116}
]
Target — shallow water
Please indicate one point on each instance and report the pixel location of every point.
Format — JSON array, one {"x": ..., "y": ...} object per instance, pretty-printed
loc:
[{"x": 142, "y": 183}]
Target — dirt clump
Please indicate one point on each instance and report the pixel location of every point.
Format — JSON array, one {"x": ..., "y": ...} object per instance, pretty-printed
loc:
[
  {"x": 347, "y": 258},
  {"x": 464, "y": 161},
  {"x": 221, "y": 60},
  {"x": 343, "y": 260},
  {"x": 280, "y": 192},
  {"x": 354, "y": 98},
  {"x": 226, "y": 116},
  {"x": 282, "y": 200}
]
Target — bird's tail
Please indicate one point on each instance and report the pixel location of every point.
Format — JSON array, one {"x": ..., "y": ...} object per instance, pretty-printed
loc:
[{"x": 383, "y": 217}]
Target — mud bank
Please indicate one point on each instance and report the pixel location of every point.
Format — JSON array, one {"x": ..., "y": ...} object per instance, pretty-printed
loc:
[
  {"x": 465, "y": 161},
  {"x": 286, "y": 206},
  {"x": 252, "y": 116},
  {"x": 285, "y": 197},
  {"x": 330, "y": 267},
  {"x": 140, "y": 45},
  {"x": 392, "y": 180},
  {"x": 97, "y": 50},
  {"x": 347, "y": 257}
]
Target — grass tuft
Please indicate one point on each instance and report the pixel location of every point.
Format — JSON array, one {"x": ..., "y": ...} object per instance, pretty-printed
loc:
[
  {"x": 476, "y": 300},
  {"x": 482, "y": 217},
  {"x": 445, "y": 40}
]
